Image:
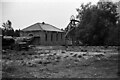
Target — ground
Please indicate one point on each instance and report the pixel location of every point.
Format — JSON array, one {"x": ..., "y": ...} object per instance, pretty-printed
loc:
[{"x": 77, "y": 62}]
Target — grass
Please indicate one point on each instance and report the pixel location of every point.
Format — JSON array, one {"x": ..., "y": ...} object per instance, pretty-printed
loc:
[{"x": 67, "y": 68}]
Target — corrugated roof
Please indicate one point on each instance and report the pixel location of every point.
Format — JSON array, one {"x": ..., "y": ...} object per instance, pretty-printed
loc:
[{"x": 42, "y": 26}]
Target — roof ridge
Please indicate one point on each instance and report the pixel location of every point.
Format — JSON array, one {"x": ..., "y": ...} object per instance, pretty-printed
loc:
[
  {"x": 31, "y": 25},
  {"x": 56, "y": 27},
  {"x": 40, "y": 25},
  {"x": 52, "y": 26}
]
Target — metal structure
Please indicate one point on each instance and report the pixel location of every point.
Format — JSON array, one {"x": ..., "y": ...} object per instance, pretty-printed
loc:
[{"x": 71, "y": 26}]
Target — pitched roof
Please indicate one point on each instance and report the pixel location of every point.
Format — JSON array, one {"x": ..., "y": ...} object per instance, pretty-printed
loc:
[{"x": 42, "y": 26}]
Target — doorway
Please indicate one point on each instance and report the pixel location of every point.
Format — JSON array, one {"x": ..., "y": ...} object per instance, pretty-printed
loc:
[{"x": 36, "y": 41}]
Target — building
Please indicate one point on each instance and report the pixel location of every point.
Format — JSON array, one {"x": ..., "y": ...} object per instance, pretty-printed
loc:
[
  {"x": 0, "y": 49},
  {"x": 0, "y": 40},
  {"x": 44, "y": 34}
]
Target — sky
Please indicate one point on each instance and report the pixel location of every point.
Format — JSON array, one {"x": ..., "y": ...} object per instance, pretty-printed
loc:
[{"x": 23, "y": 13}]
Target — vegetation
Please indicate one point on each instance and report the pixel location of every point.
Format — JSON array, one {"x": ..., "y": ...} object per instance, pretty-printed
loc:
[
  {"x": 37, "y": 63},
  {"x": 99, "y": 24},
  {"x": 7, "y": 30}
]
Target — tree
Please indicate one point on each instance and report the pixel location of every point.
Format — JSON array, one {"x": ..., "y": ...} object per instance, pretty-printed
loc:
[
  {"x": 17, "y": 33},
  {"x": 7, "y": 25},
  {"x": 7, "y": 29},
  {"x": 113, "y": 37},
  {"x": 95, "y": 21}
]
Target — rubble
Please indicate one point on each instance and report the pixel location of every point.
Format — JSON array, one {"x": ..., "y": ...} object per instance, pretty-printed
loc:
[{"x": 38, "y": 58}]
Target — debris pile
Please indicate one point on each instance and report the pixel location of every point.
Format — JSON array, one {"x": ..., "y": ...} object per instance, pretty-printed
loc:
[{"x": 44, "y": 58}]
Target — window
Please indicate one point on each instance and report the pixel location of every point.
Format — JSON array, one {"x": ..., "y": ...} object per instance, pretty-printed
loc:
[
  {"x": 30, "y": 34},
  {"x": 45, "y": 36},
  {"x": 51, "y": 36},
  {"x": 61, "y": 35},
  {"x": 56, "y": 36}
]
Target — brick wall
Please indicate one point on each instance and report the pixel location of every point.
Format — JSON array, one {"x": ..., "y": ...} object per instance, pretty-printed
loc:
[
  {"x": 0, "y": 40},
  {"x": 42, "y": 35}
]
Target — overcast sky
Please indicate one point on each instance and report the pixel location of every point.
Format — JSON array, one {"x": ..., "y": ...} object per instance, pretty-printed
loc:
[{"x": 23, "y": 13}]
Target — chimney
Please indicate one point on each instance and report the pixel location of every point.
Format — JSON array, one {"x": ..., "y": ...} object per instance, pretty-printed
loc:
[{"x": 43, "y": 22}]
